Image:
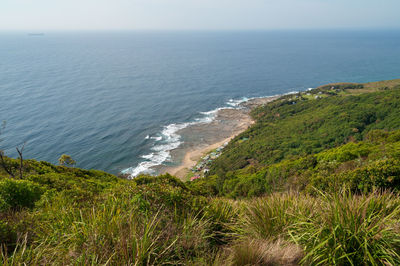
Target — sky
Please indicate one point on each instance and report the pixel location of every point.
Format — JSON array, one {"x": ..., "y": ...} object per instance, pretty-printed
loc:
[{"x": 197, "y": 14}]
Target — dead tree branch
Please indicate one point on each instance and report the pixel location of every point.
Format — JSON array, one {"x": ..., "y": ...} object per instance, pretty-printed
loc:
[
  {"x": 6, "y": 166},
  {"x": 21, "y": 160}
]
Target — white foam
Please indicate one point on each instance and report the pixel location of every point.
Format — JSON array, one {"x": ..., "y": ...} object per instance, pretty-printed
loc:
[
  {"x": 169, "y": 140},
  {"x": 154, "y": 138},
  {"x": 148, "y": 156},
  {"x": 236, "y": 103},
  {"x": 211, "y": 115},
  {"x": 290, "y": 92},
  {"x": 157, "y": 138},
  {"x": 142, "y": 168}
]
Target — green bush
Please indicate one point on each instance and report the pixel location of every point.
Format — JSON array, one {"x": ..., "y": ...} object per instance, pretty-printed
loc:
[
  {"x": 16, "y": 194},
  {"x": 346, "y": 152},
  {"x": 376, "y": 135},
  {"x": 205, "y": 186},
  {"x": 382, "y": 174}
]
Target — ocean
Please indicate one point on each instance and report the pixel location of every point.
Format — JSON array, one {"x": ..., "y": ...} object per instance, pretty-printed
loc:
[{"x": 115, "y": 101}]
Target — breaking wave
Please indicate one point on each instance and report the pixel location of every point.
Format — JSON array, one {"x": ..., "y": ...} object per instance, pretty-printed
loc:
[{"x": 169, "y": 139}]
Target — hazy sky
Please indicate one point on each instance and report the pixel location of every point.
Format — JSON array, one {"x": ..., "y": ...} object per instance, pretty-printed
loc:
[{"x": 197, "y": 14}]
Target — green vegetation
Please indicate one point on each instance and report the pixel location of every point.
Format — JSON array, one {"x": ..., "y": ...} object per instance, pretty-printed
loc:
[
  {"x": 294, "y": 137},
  {"x": 66, "y": 160},
  {"x": 359, "y": 166},
  {"x": 316, "y": 182}
]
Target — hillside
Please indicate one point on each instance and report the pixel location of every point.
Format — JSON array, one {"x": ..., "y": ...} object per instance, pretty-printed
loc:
[
  {"x": 314, "y": 181},
  {"x": 307, "y": 123}
]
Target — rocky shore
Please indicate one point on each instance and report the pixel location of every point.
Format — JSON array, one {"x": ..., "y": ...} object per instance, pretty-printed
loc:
[{"x": 201, "y": 139}]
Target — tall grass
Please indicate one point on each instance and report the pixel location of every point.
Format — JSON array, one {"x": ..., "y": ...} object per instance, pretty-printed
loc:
[
  {"x": 114, "y": 232},
  {"x": 223, "y": 215},
  {"x": 269, "y": 217},
  {"x": 351, "y": 230},
  {"x": 280, "y": 229},
  {"x": 332, "y": 229}
]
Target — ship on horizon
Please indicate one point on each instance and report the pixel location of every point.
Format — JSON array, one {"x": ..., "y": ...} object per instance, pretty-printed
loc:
[{"x": 36, "y": 34}]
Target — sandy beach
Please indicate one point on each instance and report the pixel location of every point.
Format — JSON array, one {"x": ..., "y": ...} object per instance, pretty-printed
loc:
[
  {"x": 203, "y": 138},
  {"x": 191, "y": 158}
]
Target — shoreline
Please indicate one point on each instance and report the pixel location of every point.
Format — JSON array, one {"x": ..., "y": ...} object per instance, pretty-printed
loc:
[
  {"x": 191, "y": 158},
  {"x": 239, "y": 120}
]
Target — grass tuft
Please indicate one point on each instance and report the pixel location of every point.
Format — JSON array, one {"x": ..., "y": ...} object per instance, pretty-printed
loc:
[{"x": 262, "y": 252}]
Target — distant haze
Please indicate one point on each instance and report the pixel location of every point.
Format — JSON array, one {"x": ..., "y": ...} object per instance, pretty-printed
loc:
[{"x": 197, "y": 14}]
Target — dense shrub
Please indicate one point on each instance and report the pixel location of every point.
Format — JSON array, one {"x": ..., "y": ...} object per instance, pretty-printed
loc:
[
  {"x": 346, "y": 152},
  {"x": 17, "y": 194},
  {"x": 284, "y": 130},
  {"x": 207, "y": 186},
  {"x": 361, "y": 166},
  {"x": 384, "y": 174}
]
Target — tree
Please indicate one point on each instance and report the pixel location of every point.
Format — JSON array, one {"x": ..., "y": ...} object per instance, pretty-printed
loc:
[{"x": 66, "y": 160}]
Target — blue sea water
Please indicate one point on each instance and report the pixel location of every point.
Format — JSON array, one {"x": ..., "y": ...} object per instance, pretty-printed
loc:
[{"x": 113, "y": 100}]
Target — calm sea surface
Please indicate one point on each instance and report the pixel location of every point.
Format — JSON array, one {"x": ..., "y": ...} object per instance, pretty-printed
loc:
[{"x": 115, "y": 100}]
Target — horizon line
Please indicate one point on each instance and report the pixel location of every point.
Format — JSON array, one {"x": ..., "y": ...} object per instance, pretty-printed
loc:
[{"x": 199, "y": 29}]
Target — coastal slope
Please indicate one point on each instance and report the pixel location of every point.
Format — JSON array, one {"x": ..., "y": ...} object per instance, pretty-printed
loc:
[
  {"x": 298, "y": 125},
  {"x": 314, "y": 181}
]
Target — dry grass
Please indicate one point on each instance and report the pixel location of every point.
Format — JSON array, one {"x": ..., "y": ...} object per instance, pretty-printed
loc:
[
  {"x": 368, "y": 87},
  {"x": 337, "y": 84},
  {"x": 262, "y": 252},
  {"x": 382, "y": 84}
]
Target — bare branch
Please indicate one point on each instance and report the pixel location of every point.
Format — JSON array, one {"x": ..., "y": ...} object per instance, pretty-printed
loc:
[
  {"x": 21, "y": 160},
  {"x": 5, "y": 166}
]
